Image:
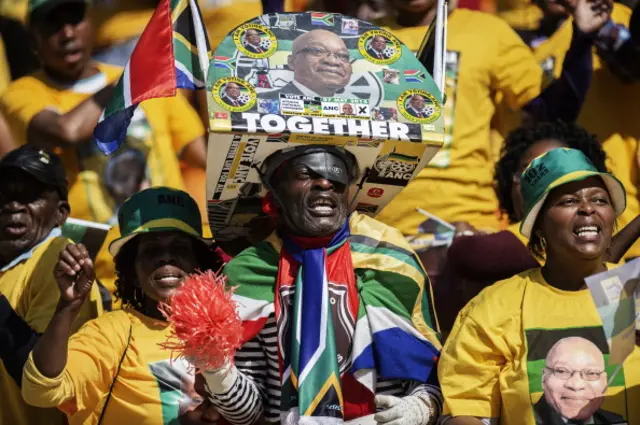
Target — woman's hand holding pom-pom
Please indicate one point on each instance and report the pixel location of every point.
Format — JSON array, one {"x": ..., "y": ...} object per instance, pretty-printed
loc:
[{"x": 207, "y": 329}]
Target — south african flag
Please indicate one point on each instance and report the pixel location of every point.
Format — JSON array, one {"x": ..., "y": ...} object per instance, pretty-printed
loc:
[
  {"x": 322, "y": 19},
  {"x": 225, "y": 62},
  {"x": 165, "y": 59},
  {"x": 414, "y": 76}
]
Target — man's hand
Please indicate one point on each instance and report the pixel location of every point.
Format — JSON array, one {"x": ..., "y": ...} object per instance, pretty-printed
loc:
[
  {"x": 591, "y": 15},
  {"x": 74, "y": 274},
  {"x": 409, "y": 410}
]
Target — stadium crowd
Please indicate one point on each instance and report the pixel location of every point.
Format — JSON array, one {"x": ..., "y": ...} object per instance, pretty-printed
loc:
[{"x": 539, "y": 175}]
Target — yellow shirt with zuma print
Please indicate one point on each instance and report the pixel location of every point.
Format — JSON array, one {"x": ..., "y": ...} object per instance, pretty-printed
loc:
[{"x": 527, "y": 353}]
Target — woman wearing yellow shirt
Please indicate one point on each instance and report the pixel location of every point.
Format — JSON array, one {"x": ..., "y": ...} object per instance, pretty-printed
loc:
[
  {"x": 531, "y": 349},
  {"x": 477, "y": 261},
  {"x": 113, "y": 371}
]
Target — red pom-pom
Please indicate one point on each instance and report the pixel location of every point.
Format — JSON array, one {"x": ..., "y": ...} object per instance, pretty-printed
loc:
[{"x": 206, "y": 326}]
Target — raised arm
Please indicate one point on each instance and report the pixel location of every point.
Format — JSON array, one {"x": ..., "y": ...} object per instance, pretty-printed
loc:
[
  {"x": 564, "y": 97},
  {"x": 75, "y": 275},
  {"x": 50, "y": 129}
]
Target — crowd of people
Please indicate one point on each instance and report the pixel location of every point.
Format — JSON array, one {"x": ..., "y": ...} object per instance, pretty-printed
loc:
[{"x": 538, "y": 173}]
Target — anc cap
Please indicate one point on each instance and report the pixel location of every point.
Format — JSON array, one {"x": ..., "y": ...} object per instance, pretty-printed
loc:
[
  {"x": 43, "y": 165},
  {"x": 159, "y": 209},
  {"x": 557, "y": 167}
]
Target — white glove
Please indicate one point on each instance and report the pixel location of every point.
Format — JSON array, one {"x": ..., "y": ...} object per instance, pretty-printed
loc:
[
  {"x": 220, "y": 381},
  {"x": 409, "y": 410}
]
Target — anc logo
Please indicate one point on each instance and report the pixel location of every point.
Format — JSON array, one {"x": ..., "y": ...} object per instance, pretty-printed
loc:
[
  {"x": 234, "y": 94},
  {"x": 394, "y": 168},
  {"x": 255, "y": 41},
  {"x": 419, "y": 106},
  {"x": 379, "y": 47}
]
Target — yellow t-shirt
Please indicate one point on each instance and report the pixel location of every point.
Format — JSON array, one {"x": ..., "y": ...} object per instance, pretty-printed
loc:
[
  {"x": 117, "y": 21},
  {"x": 149, "y": 390},
  {"x": 158, "y": 132},
  {"x": 5, "y": 74},
  {"x": 32, "y": 292},
  {"x": 484, "y": 56},
  {"x": 14, "y": 9},
  {"x": 492, "y": 363},
  {"x": 522, "y": 15},
  {"x": 606, "y": 114}
]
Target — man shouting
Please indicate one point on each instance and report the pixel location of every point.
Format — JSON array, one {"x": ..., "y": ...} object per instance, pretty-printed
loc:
[{"x": 335, "y": 308}]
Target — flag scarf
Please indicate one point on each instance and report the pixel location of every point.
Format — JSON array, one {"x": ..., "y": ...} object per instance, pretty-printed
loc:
[
  {"x": 309, "y": 367},
  {"x": 172, "y": 53},
  {"x": 394, "y": 336}
]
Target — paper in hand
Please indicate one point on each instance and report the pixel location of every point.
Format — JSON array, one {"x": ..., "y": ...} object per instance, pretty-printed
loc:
[
  {"x": 432, "y": 233},
  {"x": 616, "y": 294}
]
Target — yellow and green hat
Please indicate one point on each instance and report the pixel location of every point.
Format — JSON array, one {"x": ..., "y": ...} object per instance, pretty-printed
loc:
[
  {"x": 555, "y": 168},
  {"x": 159, "y": 209}
]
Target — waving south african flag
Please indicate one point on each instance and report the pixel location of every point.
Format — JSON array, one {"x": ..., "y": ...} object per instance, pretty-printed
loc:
[{"x": 172, "y": 53}]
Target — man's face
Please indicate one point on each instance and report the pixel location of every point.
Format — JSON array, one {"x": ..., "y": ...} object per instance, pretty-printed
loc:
[
  {"x": 64, "y": 40},
  {"x": 314, "y": 206},
  {"x": 347, "y": 109},
  {"x": 378, "y": 43},
  {"x": 417, "y": 102},
  {"x": 574, "y": 379},
  {"x": 232, "y": 90},
  {"x": 321, "y": 62},
  {"x": 253, "y": 37},
  {"x": 29, "y": 210}
]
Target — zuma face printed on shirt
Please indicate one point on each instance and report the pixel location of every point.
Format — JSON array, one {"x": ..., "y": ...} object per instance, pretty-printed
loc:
[{"x": 569, "y": 378}]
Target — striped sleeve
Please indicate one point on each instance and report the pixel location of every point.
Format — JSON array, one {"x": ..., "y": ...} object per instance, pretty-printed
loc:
[
  {"x": 431, "y": 391},
  {"x": 242, "y": 403}
]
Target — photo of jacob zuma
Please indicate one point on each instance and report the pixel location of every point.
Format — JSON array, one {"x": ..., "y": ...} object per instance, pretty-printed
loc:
[
  {"x": 252, "y": 41},
  {"x": 574, "y": 381},
  {"x": 321, "y": 66},
  {"x": 230, "y": 95},
  {"x": 377, "y": 46}
]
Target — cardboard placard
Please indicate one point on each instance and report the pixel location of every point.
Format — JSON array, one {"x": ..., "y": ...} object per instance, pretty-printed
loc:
[{"x": 289, "y": 79}]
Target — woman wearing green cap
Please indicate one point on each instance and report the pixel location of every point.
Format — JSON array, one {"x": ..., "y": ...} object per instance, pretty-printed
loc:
[
  {"x": 531, "y": 349},
  {"x": 113, "y": 371},
  {"x": 477, "y": 261}
]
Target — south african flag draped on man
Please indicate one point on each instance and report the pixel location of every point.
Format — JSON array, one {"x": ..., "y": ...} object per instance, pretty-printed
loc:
[
  {"x": 388, "y": 295},
  {"x": 166, "y": 58}
]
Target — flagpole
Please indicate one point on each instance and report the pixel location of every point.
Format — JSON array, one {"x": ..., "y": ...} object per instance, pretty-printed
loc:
[
  {"x": 201, "y": 40},
  {"x": 440, "y": 45}
]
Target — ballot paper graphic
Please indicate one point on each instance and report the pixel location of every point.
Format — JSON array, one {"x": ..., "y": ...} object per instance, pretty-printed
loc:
[{"x": 616, "y": 294}]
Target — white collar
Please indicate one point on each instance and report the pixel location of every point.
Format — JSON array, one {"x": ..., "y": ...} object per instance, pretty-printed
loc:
[
  {"x": 55, "y": 232},
  {"x": 305, "y": 90}
]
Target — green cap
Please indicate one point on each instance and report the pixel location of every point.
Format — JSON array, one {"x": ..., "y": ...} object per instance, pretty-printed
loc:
[
  {"x": 159, "y": 209},
  {"x": 557, "y": 167},
  {"x": 40, "y": 8}
]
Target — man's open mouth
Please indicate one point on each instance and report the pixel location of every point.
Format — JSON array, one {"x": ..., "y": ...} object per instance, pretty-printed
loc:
[{"x": 323, "y": 207}]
